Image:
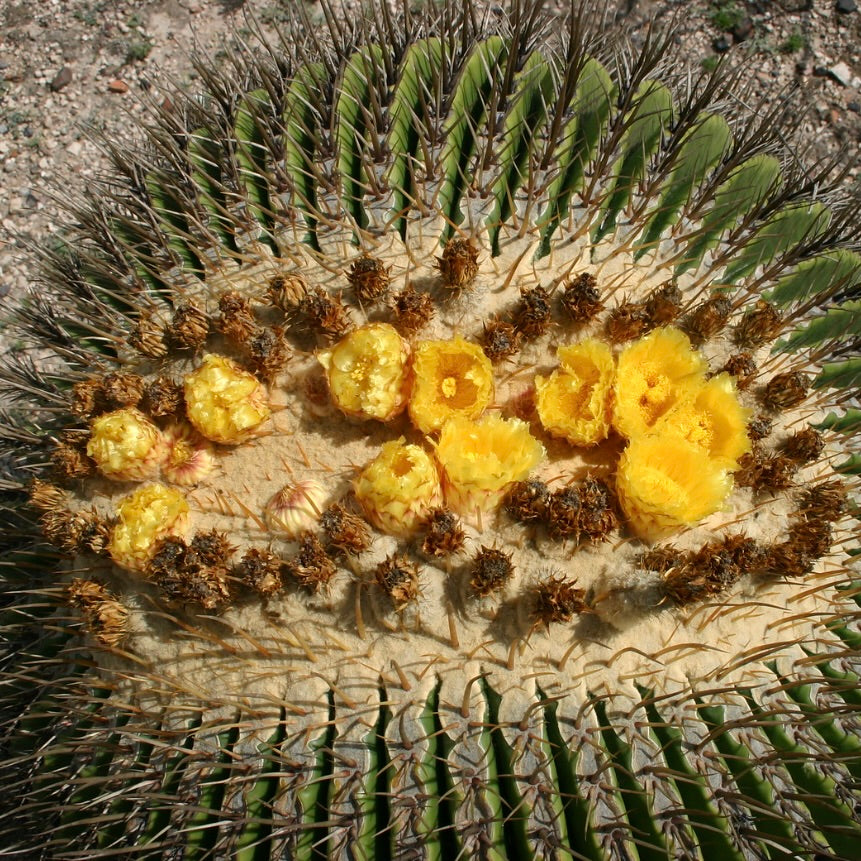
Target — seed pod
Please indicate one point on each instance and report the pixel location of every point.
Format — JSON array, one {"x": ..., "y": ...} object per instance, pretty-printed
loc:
[
  {"x": 345, "y": 532},
  {"x": 260, "y": 570},
  {"x": 189, "y": 328},
  {"x": 661, "y": 559},
  {"x": 163, "y": 397},
  {"x": 236, "y": 321},
  {"x": 491, "y": 569},
  {"x": 104, "y": 616},
  {"x": 286, "y": 291},
  {"x": 557, "y": 600},
  {"x": 68, "y": 459},
  {"x": 533, "y": 316},
  {"x": 46, "y": 497},
  {"x": 759, "y": 427},
  {"x": 399, "y": 579},
  {"x": 121, "y": 389},
  {"x": 412, "y": 310},
  {"x": 597, "y": 515},
  {"x": 499, "y": 340},
  {"x": 184, "y": 578},
  {"x": 325, "y": 314},
  {"x": 762, "y": 471},
  {"x": 663, "y": 305},
  {"x": 311, "y": 567},
  {"x": 758, "y": 326},
  {"x": 527, "y": 501},
  {"x": 784, "y": 391},
  {"x": 563, "y": 513},
  {"x": 826, "y": 501},
  {"x": 581, "y": 299},
  {"x": 707, "y": 319},
  {"x": 267, "y": 352},
  {"x": 626, "y": 322},
  {"x": 443, "y": 534},
  {"x": 148, "y": 338},
  {"x": 212, "y": 547},
  {"x": 742, "y": 367},
  {"x": 804, "y": 446},
  {"x": 458, "y": 265},
  {"x": 87, "y": 399},
  {"x": 369, "y": 278}
]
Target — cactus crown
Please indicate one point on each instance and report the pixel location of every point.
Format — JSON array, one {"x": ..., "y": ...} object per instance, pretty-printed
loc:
[{"x": 451, "y": 431}]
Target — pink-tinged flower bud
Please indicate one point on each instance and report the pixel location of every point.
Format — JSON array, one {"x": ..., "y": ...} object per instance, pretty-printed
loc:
[
  {"x": 296, "y": 508},
  {"x": 188, "y": 456}
]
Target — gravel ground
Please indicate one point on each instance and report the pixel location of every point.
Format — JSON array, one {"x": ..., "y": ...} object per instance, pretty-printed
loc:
[{"x": 69, "y": 68}]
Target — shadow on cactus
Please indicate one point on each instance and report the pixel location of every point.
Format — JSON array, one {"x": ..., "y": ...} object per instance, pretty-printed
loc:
[{"x": 437, "y": 441}]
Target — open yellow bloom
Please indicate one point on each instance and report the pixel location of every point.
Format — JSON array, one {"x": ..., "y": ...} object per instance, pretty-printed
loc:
[
  {"x": 451, "y": 378},
  {"x": 665, "y": 483},
  {"x": 480, "y": 459},
  {"x": 709, "y": 414},
  {"x": 398, "y": 489},
  {"x": 225, "y": 403},
  {"x": 125, "y": 445},
  {"x": 649, "y": 378},
  {"x": 575, "y": 401},
  {"x": 368, "y": 372},
  {"x": 145, "y": 517}
]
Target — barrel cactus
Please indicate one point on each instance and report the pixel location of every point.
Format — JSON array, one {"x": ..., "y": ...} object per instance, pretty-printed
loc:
[{"x": 436, "y": 440}]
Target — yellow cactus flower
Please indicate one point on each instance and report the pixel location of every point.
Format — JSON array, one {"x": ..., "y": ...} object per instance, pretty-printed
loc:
[
  {"x": 189, "y": 457},
  {"x": 665, "y": 483},
  {"x": 225, "y": 403},
  {"x": 451, "y": 378},
  {"x": 368, "y": 372},
  {"x": 480, "y": 459},
  {"x": 126, "y": 445},
  {"x": 399, "y": 488},
  {"x": 575, "y": 401},
  {"x": 709, "y": 414},
  {"x": 145, "y": 517},
  {"x": 648, "y": 379}
]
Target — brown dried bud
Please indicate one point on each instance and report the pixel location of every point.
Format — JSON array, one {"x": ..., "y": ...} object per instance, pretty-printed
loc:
[
  {"x": 563, "y": 513},
  {"x": 189, "y": 328},
  {"x": 184, "y": 577},
  {"x": 45, "y": 496},
  {"x": 761, "y": 471},
  {"x": 626, "y": 322},
  {"x": 148, "y": 338},
  {"x": 369, "y": 278},
  {"x": 87, "y": 399},
  {"x": 260, "y": 570},
  {"x": 104, "y": 616},
  {"x": 742, "y": 367},
  {"x": 163, "y": 397},
  {"x": 344, "y": 531},
  {"x": 826, "y": 501},
  {"x": 70, "y": 461},
  {"x": 286, "y": 291},
  {"x": 759, "y": 325},
  {"x": 527, "y": 501},
  {"x": 326, "y": 314},
  {"x": 804, "y": 446},
  {"x": 499, "y": 340},
  {"x": 661, "y": 559},
  {"x": 267, "y": 352},
  {"x": 707, "y": 319},
  {"x": 597, "y": 515},
  {"x": 557, "y": 600},
  {"x": 212, "y": 547},
  {"x": 443, "y": 534},
  {"x": 311, "y": 567},
  {"x": 399, "y": 579},
  {"x": 663, "y": 305},
  {"x": 236, "y": 321},
  {"x": 412, "y": 310},
  {"x": 784, "y": 391},
  {"x": 458, "y": 265},
  {"x": 122, "y": 389},
  {"x": 533, "y": 316},
  {"x": 491, "y": 570},
  {"x": 759, "y": 427},
  {"x": 581, "y": 300}
]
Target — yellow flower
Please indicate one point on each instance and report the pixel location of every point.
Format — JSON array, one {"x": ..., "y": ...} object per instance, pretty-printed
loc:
[
  {"x": 125, "y": 445},
  {"x": 709, "y": 414},
  {"x": 451, "y": 378},
  {"x": 665, "y": 483},
  {"x": 145, "y": 517},
  {"x": 398, "y": 489},
  {"x": 225, "y": 403},
  {"x": 480, "y": 459},
  {"x": 648, "y": 379},
  {"x": 368, "y": 372},
  {"x": 575, "y": 401}
]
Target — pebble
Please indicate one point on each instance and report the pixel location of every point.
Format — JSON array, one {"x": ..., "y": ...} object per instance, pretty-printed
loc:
[
  {"x": 118, "y": 86},
  {"x": 721, "y": 44},
  {"x": 62, "y": 79},
  {"x": 743, "y": 30},
  {"x": 841, "y": 73},
  {"x": 854, "y": 106},
  {"x": 846, "y": 6}
]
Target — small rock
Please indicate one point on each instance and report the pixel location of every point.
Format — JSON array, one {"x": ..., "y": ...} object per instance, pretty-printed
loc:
[
  {"x": 118, "y": 86},
  {"x": 841, "y": 73},
  {"x": 846, "y": 6},
  {"x": 74, "y": 148},
  {"x": 62, "y": 79},
  {"x": 721, "y": 44},
  {"x": 855, "y": 107},
  {"x": 743, "y": 30}
]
